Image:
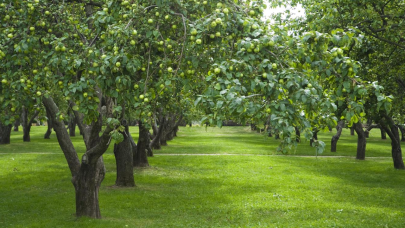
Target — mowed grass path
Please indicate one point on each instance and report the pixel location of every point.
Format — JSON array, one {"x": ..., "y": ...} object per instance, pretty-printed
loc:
[{"x": 210, "y": 191}]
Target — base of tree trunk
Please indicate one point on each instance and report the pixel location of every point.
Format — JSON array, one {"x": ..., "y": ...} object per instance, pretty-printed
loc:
[
  {"x": 87, "y": 184},
  {"x": 124, "y": 161},
  {"x": 5, "y": 133}
]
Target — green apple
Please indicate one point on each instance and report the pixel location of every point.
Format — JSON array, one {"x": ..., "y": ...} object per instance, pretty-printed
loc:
[
  {"x": 170, "y": 70},
  {"x": 217, "y": 70},
  {"x": 150, "y": 21},
  {"x": 141, "y": 97},
  {"x": 84, "y": 94},
  {"x": 39, "y": 93},
  {"x": 133, "y": 42},
  {"x": 274, "y": 66},
  {"x": 252, "y": 13},
  {"x": 226, "y": 11},
  {"x": 32, "y": 28},
  {"x": 4, "y": 81},
  {"x": 264, "y": 75},
  {"x": 146, "y": 100},
  {"x": 117, "y": 64},
  {"x": 136, "y": 86},
  {"x": 198, "y": 41}
]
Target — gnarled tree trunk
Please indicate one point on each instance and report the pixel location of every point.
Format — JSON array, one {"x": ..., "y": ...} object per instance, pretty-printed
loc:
[
  {"x": 336, "y": 137},
  {"x": 141, "y": 158},
  {"x": 124, "y": 160},
  {"x": 392, "y": 130},
  {"x": 5, "y": 133},
  {"x": 87, "y": 174},
  {"x": 87, "y": 184},
  {"x": 361, "y": 141}
]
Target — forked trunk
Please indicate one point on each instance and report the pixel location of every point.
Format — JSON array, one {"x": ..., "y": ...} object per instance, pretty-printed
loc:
[
  {"x": 141, "y": 158},
  {"x": 87, "y": 184},
  {"x": 361, "y": 141},
  {"x": 336, "y": 137},
  {"x": 5, "y": 133},
  {"x": 124, "y": 161}
]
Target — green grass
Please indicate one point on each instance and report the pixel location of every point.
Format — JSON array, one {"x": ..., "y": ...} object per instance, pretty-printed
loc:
[{"x": 210, "y": 191}]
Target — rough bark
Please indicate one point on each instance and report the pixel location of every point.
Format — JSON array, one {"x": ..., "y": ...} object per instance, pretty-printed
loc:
[
  {"x": 124, "y": 160},
  {"x": 336, "y": 137},
  {"x": 392, "y": 130},
  {"x": 87, "y": 184},
  {"x": 361, "y": 141},
  {"x": 16, "y": 124},
  {"x": 141, "y": 158},
  {"x": 5, "y": 133},
  {"x": 27, "y": 122}
]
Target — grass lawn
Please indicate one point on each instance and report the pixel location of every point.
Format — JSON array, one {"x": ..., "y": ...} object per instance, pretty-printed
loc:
[{"x": 220, "y": 190}]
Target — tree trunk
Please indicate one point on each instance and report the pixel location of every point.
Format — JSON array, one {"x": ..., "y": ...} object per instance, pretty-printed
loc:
[
  {"x": 26, "y": 123},
  {"x": 72, "y": 125},
  {"x": 141, "y": 158},
  {"x": 87, "y": 184},
  {"x": 124, "y": 161},
  {"x": 383, "y": 133},
  {"x": 50, "y": 126},
  {"x": 402, "y": 128},
  {"x": 87, "y": 175},
  {"x": 16, "y": 124},
  {"x": 392, "y": 130},
  {"x": 297, "y": 135},
  {"x": 155, "y": 143},
  {"x": 5, "y": 133},
  {"x": 361, "y": 141},
  {"x": 352, "y": 130},
  {"x": 336, "y": 137}
]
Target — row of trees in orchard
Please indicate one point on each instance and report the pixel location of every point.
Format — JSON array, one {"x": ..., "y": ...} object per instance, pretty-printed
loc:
[
  {"x": 380, "y": 26},
  {"x": 104, "y": 63}
]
